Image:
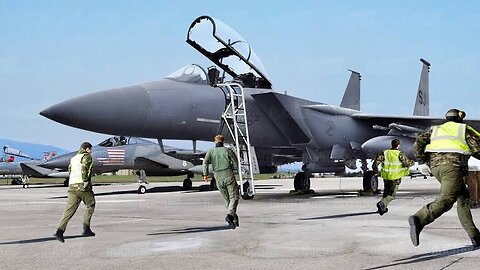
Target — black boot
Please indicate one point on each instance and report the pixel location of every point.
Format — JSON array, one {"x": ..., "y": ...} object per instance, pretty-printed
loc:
[
  {"x": 87, "y": 232},
  {"x": 475, "y": 241},
  {"x": 415, "y": 229},
  {"x": 381, "y": 208},
  {"x": 59, "y": 235},
  {"x": 235, "y": 220},
  {"x": 229, "y": 219}
]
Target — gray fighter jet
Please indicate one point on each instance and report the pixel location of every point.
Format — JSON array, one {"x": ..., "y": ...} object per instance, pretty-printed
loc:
[
  {"x": 21, "y": 171},
  {"x": 187, "y": 105},
  {"x": 147, "y": 158}
]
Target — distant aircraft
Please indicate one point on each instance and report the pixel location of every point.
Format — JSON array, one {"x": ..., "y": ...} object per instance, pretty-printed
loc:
[
  {"x": 20, "y": 171},
  {"x": 147, "y": 158},
  {"x": 187, "y": 105}
]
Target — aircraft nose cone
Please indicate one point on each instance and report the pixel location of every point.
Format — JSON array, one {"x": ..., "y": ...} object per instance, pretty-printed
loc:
[{"x": 104, "y": 111}]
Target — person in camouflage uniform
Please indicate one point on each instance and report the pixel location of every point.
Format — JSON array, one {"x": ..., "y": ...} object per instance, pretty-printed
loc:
[
  {"x": 224, "y": 162},
  {"x": 79, "y": 189},
  {"x": 446, "y": 150},
  {"x": 395, "y": 164}
]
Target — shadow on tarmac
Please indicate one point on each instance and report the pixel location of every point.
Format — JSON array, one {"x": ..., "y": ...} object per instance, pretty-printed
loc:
[
  {"x": 194, "y": 230},
  {"x": 428, "y": 256},
  {"x": 38, "y": 240},
  {"x": 340, "y": 216},
  {"x": 166, "y": 189}
]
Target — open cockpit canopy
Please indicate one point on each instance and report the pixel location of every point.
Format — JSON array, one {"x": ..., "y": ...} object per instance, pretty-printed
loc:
[{"x": 228, "y": 50}]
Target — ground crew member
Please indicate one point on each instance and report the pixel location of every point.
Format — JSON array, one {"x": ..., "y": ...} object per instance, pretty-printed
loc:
[
  {"x": 79, "y": 190},
  {"x": 395, "y": 165},
  {"x": 224, "y": 162},
  {"x": 446, "y": 149}
]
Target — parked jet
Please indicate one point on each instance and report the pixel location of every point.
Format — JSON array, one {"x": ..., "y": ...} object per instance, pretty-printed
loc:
[
  {"x": 147, "y": 158},
  {"x": 188, "y": 105},
  {"x": 21, "y": 171}
]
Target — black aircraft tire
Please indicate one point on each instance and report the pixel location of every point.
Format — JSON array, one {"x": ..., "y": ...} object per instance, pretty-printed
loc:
[
  {"x": 142, "y": 190},
  {"x": 187, "y": 184},
  {"x": 370, "y": 181},
  {"x": 306, "y": 183},
  {"x": 297, "y": 181},
  {"x": 301, "y": 182}
]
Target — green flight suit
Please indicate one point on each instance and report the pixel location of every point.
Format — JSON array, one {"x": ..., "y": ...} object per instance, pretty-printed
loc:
[
  {"x": 223, "y": 162},
  {"x": 78, "y": 193},
  {"x": 449, "y": 169}
]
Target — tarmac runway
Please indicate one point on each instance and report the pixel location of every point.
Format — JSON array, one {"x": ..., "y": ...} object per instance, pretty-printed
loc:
[{"x": 168, "y": 228}]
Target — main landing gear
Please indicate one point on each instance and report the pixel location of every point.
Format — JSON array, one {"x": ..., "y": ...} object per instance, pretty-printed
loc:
[
  {"x": 187, "y": 183},
  {"x": 301, "y": 182},
  {"x": 370, "y": 182}
]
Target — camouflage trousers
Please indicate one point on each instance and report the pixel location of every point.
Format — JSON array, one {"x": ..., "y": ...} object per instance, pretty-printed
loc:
[
  {"x": 228, "y": 187},
  {"x": 73, "y": 201},
  {"x": 452, "y": 189},
  {"x": 389, "y": 190}
]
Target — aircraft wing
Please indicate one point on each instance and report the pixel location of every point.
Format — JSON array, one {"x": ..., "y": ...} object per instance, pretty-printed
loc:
[
  {"x": 40, "y": 172},
  {"x": 167, "y": 161},
  {"x": 425, "y": 121}
]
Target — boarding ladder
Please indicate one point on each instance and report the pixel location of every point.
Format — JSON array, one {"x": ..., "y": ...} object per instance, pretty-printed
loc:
[{"x": 234, "y": 125}]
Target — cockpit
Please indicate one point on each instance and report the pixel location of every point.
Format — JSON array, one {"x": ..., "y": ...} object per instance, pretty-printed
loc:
[
  {"x": 122, "y": 140},
  {"x": 228, "y": 50}
]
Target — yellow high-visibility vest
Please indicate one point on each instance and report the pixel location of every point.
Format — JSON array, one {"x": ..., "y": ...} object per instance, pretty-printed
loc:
[
  {"x": 449, "y": 138},
  {"x": 392, "y": 167},
  {"x": 76, "y": 169}
]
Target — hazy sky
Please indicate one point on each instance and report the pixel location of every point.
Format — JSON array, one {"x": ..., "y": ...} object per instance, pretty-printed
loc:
[{"x": 51, "y": 51}]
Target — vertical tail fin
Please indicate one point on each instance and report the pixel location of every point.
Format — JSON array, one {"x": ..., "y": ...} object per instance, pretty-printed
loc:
[
  {"x": 351, "y": 97},
  {"x": 422, "y": 103}
]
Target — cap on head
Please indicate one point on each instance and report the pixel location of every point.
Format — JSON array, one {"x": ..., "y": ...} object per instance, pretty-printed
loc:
[
  {"x": 85, "y": 146},
  {"x": 455, "y": 115},
  {"x": 219, "y": 138}
]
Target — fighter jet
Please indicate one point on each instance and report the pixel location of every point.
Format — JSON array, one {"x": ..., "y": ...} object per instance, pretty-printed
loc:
[
  {"x": 188, "y": 105},
  {"x": 145, "y": 157},
  {"x": 21, "y": 171}
]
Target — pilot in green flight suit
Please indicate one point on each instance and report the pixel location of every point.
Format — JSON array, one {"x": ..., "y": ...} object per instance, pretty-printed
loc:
[
  {"x": 446, "y": 149},
  {"x": 395, "y": 165},
  {"x": 224, "y": 162},
  {"x": 79, "y": 189}
]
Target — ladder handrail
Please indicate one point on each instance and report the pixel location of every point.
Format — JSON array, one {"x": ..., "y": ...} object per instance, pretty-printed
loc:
[{"x": 234, "y": 109}]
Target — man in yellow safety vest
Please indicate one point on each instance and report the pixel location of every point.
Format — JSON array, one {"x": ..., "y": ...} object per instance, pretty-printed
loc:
[
  {"x": 395, "y": 165},
  {"x": 446, "y": 149},
  {"x": 79, "y": 189}
]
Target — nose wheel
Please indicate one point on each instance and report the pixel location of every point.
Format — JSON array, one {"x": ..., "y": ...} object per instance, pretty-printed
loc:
[{"x": 142, "y": 189}]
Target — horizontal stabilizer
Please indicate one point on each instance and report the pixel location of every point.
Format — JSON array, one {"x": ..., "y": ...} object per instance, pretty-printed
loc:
[{"x": 34, "y": 170}]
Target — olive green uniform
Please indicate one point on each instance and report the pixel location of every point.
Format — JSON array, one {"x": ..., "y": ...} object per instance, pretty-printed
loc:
[
  {"x": 223, "y": 162},
  {"x": 80, "y": 193},
  {"x": 449, "y": 169},
  {"x": 390, "y": 185}
]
